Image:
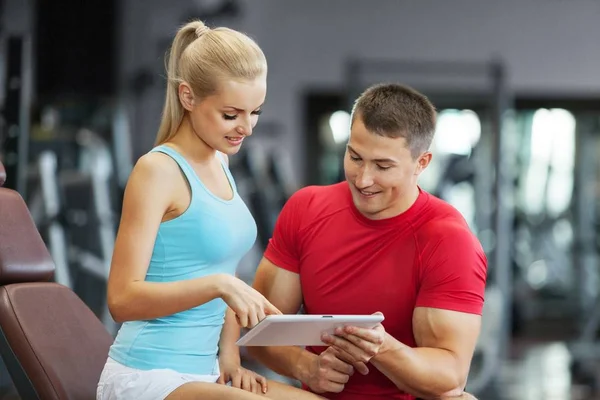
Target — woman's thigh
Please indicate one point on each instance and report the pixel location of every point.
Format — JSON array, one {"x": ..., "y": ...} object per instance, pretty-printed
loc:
[
  {"x": 119, "y": 382},
  {"x": 281, "y": 391},
  {"x": 213, "y": 391},
  {"x": 210, "y": 391}
]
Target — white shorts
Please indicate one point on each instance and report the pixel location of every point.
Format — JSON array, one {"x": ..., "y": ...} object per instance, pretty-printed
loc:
[{"x": 118, "y": 382}]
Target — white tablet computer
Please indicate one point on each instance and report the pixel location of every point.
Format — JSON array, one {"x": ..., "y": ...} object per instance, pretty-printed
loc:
[{"x": 301, "y": 329}]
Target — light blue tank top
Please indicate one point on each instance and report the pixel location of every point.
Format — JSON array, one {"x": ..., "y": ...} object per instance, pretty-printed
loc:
[{"x": 210, "y": 237}]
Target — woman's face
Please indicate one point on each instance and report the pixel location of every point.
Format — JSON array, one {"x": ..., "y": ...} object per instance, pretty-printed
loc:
[{"x": 224, "y": 119}]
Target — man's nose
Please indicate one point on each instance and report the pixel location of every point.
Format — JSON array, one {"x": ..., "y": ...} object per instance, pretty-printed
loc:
[{"x": 364, "y": 179}]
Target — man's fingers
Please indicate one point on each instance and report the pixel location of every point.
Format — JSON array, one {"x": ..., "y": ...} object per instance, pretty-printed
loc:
[
  {"x": 346, "y": 357},
  {"x": 341, "y": 344},
  {"x": 368, "y": 335},
  {"x": 463, "y": 396},
  {"x": 336, "y": 376},
  {"x": 368, "y": 347},
  {"x": 336, "y": 361},
  {"x": 327, "y": 385},
  {"x": 334, "y": 387},
  {"x": 361, "y": 367},
  {"x": 342, "y": 366},
  {"x": 221, "y": 379}
]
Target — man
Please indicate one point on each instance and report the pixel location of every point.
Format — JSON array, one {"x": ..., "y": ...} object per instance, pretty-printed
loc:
[{"x": 378, "y": 243}]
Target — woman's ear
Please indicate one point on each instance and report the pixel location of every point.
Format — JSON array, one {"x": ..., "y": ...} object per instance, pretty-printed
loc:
[{"x": 186, "y": 96}]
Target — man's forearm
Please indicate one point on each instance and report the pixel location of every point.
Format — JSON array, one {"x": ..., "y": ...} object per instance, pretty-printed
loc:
[
  {"x": 290, "y": 361},
  {"x": 425, "y": 372}
]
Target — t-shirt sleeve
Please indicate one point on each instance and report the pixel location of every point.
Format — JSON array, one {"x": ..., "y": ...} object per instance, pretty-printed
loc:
[
  {"x": 453, "y": 271},
  {"x": 283, "y": 249}
]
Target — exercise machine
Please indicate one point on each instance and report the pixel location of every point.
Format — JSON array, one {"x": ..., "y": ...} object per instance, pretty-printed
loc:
[
  {"x": 73, "y": 210},
  {"x": 15, "y": 116}
]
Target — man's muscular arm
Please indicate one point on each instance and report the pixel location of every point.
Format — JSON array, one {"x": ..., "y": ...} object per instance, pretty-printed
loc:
[
  {"x": 437, "y": 368},
  {"x": 440, "y": 364}
]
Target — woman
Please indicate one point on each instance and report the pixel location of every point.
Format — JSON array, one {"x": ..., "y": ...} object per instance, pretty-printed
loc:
[{"x": 183, "y": 231}]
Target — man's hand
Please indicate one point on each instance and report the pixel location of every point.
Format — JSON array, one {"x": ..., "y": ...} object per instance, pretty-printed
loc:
[
  {"x": 360, "y": 344},
  {"x": 331, "y": 370},
  {"x": 463, "y": 396},
  {"x": 241, "y": 377}
]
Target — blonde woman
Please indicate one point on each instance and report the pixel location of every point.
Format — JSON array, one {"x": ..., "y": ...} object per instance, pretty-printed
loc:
[{"x": 184, "y": 229}]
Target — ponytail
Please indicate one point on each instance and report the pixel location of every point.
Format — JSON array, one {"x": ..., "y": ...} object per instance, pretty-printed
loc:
[
  {"x": 173, "y": 111},
  {"x": 201, "y": 57}
]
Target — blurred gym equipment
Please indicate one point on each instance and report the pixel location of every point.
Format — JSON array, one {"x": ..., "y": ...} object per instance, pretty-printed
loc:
[
  {"x": 546, "y": 220},
  {"x": 15, "y": 115},
  {"x": 585, "y": 348},
  {"x": 73, "y": 210},
  {"x": 43, "y": 322},
  {"x": 2, "y": 175},
  {"x": 265, "y": 182}
]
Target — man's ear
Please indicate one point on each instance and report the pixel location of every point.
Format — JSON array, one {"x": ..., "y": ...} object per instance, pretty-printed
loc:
[
  {"x": 186, "y": 96},
  {"x": 422, "y": 162}
]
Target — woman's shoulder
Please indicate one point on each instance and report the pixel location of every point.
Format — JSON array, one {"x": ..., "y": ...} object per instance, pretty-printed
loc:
[{"x": 155, "y": 168}]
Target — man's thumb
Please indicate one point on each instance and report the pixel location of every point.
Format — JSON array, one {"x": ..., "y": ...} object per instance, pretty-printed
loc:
[{"x": 361, "y": 367}]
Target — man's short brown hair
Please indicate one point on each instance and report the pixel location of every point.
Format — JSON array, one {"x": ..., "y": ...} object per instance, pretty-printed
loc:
[{"x": 395, "y": 110}]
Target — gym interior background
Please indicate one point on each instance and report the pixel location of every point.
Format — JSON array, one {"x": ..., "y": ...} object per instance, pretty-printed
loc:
[{"x": 517, "y": 84}]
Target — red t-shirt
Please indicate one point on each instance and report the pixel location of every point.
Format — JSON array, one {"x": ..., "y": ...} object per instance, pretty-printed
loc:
[{"x": 349, "y": 264}]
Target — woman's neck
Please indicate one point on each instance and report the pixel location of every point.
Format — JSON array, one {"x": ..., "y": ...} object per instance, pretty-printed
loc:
[{"x": 190, "y": 144}]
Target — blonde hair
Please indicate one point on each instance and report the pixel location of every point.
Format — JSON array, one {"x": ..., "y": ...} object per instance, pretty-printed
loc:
[{"x": 202, "y": 57}]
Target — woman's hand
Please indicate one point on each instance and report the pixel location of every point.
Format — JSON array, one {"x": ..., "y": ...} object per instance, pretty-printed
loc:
[
  {"x": 240, "y": 377},
  {"x": 250, "y": 306}
]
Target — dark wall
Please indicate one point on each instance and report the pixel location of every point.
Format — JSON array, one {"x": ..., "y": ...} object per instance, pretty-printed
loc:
[
  {"x": 75, "y": 47},
  {"x": 548, "y": 46}
]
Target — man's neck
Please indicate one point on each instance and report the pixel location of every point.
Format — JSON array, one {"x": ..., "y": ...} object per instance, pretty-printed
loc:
[{"x": 405, "y": 202}]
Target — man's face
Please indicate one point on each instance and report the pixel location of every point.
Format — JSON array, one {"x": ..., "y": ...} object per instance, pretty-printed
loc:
[{"x": 381, "y": 172}]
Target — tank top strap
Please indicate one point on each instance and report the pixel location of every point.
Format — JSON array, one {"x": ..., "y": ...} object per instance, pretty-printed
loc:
[
  {"x": 187, "y": 169},
  {"x": 227, "y": 171}
]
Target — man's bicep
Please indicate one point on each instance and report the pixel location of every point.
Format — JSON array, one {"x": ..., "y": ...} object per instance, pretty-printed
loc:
[
  {"x": 453, "y": 273},
  {"x": 454, "y": 331},
  {"x": 280, "y": 286}
]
